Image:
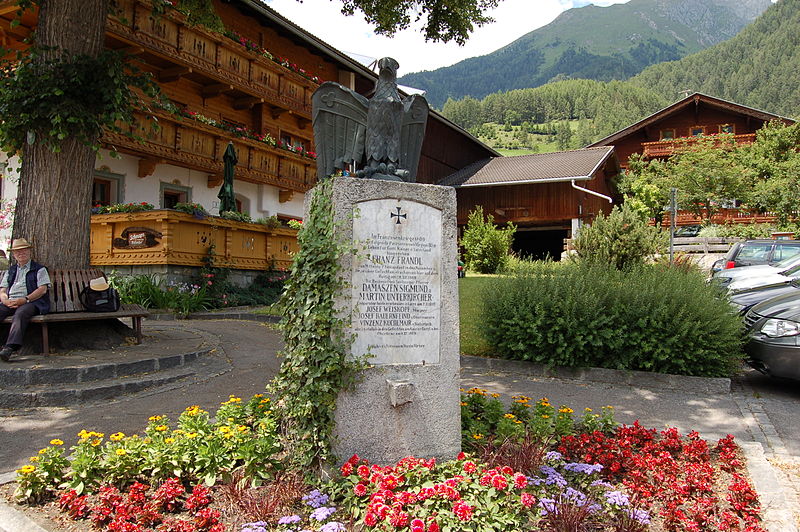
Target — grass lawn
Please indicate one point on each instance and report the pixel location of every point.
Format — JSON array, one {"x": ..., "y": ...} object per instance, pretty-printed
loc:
[{"x": 470, "y": 289}]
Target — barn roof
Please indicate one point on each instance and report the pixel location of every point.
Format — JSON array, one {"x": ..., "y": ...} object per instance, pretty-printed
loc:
[
  {"x": 580, "y": 165},
  {"x": 694, "y": 99}
]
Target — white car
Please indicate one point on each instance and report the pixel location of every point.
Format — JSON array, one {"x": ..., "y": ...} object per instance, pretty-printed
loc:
[
  {"x": 726, "y": 277},
  {"x": 773, "y": 276}
]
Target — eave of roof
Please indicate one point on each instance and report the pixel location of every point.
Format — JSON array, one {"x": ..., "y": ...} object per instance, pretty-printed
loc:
[
  {"x": 514, "y": 168},
  {"x": 345, "y": 60},
  {"x": 680, "y": 104}
]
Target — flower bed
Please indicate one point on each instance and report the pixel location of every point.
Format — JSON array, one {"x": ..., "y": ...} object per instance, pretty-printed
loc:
[{"x": 546, "y": 472}]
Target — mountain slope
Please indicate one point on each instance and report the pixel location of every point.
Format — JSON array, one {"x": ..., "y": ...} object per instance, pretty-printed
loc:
[
  {"x": 601, "y": 43},
  {"x": 760, "y": 67}
]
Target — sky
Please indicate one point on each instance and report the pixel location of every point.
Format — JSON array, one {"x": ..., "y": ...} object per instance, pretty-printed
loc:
[{"x": 352, "y": 35}]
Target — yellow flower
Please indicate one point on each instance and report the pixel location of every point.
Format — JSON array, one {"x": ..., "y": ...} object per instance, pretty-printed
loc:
[
  {"x": 121, "y": 452},
  {"x": 265, "y": 400},
  {"x": 587, "y": 409},
  {"x": 517, "y": 421},
  {"x": 193, "y": 410},
  {"x": 56, "y": 442},
  {"x": 258, "y": 395},
  {"x": 26, "y": 469},
  {"x": 224, "y": 430},
  {"x": 227, "y": 435},
  {"x": 477, "y": 436},
  {"x": 545, "y": 416},
  {"x": 117, "y": 436},
  {"x": 243, "y": 428},
  {"x": 565, "y": 410},
  {"x": 34, "y": 458},
  {"x": 83, "y": 434},
  {"x": 495, "y": 395},
  {"x": 97, "y": 442},
  {"x": 191, "y": 435},
  {"x": 42, "y": 451},
  {"x": 463, "y": 403},
  {"x": 510, "y": 416},
  {"x": 162, "y": 428},
  {"x": 169, "y": 440},
  {"x": 156, "y": 418}
]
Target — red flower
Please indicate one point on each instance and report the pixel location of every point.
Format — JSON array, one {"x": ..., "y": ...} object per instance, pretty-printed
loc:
[
  {"x": 470, "y": 467},
  {"x": 463, "y": 511},
  {"x": 527, "y": 500},
  {"x": 370, "y": 519},
  {"x": 346, "y": 469},
  {"x": 363, "y": 472},
  {"x": 360, "y": 490}
]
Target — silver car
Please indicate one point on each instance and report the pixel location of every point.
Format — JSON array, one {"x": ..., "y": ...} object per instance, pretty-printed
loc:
[{"x": 773, "y": 327}]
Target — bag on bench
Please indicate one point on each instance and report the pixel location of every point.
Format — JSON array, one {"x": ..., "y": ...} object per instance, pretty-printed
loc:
[{"x": 100, "y": 297}]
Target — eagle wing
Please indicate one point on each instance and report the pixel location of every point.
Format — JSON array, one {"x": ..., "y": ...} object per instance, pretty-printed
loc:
[
  {"x": 412, "y": 133},
  {"x": 339, "y": 117}
]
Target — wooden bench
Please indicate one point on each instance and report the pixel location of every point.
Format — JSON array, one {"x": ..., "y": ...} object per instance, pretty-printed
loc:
[{"x": 66, "y": 306}]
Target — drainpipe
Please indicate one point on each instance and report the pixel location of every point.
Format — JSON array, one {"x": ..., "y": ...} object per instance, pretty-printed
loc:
[{"x": 592, "y": 192}]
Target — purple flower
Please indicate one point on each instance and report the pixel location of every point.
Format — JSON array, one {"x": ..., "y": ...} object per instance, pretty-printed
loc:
[
  {"x": 289, "y": 519},
  {"x": 553, "y": 477},
  {"x": 640, "y": 515},
  {"x": 258, "y": 526},
  {"x": 333, "y": 526},
  {"x": 322, "y": 513},
  {"x": 552, "y": 455},
  {"x": 586, "y": 469},
  {"x": 617, "y": 497},
  {"x": 315, "y": 499},
  {"x": 547, "y": 505}
]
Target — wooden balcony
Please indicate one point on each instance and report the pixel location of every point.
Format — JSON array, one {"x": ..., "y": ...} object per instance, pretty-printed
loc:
[
  {"x": 193, "y": 144},
  {"x": 168, "y": 237},
  {"x": 665, "y": 148},
  {"x": 722, "y": 216},
  {"x": 211, "y": 58}
]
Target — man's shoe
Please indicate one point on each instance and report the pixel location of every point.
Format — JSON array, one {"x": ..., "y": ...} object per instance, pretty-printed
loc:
[{"x": 5, "y": 353}]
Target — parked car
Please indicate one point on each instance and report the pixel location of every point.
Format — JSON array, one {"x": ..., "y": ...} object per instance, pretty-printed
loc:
[
  {"x": 688, "y": 230},
  {"x": 762, "y": 251},
  {"x": 766, "y": 279},
  {"x": 744, "y": 300},
  {"x": 773, "y": 328},
  {"x": 726, "y": 277}
]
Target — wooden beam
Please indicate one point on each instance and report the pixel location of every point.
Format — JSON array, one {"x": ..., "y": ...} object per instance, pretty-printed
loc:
[
  {"x": 8, "y": 7},
  {"x": 214, "y": 180},
  {"x": 285, "y": 195},
  {"x": 147, "y": 166},
  {"x": 132, "y": 50},
  {"x": 276, "y": 112},
  {"x": 211, "y": 91},
  {"x": 247, "y": 102},
  {"x": 20, "y": 31},
  {"x": 169, "y": 75},
  {"x": 302, "y": 122}
]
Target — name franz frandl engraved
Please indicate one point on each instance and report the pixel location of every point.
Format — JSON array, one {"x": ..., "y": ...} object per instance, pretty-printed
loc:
[{"x": 396, "y": 282}]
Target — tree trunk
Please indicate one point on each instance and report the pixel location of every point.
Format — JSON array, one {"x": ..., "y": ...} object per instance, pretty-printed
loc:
[{"x": 55, "y": 189}]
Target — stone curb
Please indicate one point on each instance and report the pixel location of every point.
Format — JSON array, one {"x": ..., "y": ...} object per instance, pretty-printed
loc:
[
  {"x": 639, "y": 379},
  {"x": 774, "y": 506}
]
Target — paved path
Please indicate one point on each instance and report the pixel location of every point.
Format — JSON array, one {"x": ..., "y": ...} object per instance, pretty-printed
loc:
[{"x": 757, "y": 410}]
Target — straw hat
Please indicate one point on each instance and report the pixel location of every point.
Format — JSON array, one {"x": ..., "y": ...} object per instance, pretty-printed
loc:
[
  {"x": 20, "y": 243},
  {"x": 98, "y": 284}
]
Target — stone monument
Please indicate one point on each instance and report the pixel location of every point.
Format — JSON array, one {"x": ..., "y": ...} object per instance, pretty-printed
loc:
[{"x": 403, "y": 295}]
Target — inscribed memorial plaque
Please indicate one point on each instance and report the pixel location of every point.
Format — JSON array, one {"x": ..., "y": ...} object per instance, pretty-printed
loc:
[{"x": 396, "y": 282}]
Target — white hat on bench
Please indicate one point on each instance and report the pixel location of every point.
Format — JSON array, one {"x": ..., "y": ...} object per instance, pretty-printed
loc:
[{"x": 98, "y": 284}]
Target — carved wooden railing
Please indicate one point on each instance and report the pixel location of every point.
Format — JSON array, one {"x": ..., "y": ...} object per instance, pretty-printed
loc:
[
  {"x": 199, "y": 146},
  {"x": 197, "y": 50},
  {"x": 168, "y": 237},
  {"x": 665, "y": 148}
]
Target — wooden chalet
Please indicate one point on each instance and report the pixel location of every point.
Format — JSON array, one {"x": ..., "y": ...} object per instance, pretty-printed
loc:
[
  {"x": 696, "y": 115},
  {"x": 252, "y": 86},
  {"x": 548, "y": 195}
]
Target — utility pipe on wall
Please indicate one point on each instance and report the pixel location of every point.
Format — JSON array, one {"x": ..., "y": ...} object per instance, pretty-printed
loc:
[{"x": 592, "y": 192}]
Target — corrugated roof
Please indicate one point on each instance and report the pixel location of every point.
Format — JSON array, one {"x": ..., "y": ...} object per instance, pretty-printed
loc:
[{"x": 537, "y": 168}]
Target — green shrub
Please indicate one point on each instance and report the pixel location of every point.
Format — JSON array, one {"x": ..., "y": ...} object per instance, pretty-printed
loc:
[
  {"x": 195, "y": 209},
  {"x": 621, "y": 239},
  {"x": 746, "y": 231},
  {"x": 486, "y": 246},
  {"x": 151, "y": 292},
  {"x": 236, "y": 216},
  {"x": 651, "y": 318}
]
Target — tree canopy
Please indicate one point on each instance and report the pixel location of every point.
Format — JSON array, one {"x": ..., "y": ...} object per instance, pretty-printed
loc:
[{"x": 445, "y": 20}]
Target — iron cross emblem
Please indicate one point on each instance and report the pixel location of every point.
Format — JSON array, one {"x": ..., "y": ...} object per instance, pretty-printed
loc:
[{"x": 397, "y": 215}]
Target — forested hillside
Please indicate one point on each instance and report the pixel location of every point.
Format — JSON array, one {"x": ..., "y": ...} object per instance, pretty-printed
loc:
[
  {"x": 600, "y": 108},
  {"x": 600, "y": 43},
  {"x": 760, "y": 67}
]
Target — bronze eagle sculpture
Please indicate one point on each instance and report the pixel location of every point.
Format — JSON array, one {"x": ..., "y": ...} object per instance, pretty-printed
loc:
[{"x": 379, "y": 138}]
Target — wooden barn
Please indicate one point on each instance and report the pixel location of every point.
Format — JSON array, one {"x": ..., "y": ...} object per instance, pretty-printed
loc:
[
  {"x": 548, "y": 195},
  {"x": 693, "y": 116}
]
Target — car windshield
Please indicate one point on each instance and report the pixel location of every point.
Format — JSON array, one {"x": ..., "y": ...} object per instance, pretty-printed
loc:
[
  {"x": 792, "y": 272},
  {"x": 788, "y": 263}
]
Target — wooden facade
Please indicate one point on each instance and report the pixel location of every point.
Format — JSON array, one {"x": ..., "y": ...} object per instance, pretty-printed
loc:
[
  {"x": 696, "y": 115},
  {"x": 251, "y": 86}
]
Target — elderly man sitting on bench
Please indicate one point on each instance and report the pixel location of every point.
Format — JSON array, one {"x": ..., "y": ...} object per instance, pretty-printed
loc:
[{"x": 23, "y": 294}]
